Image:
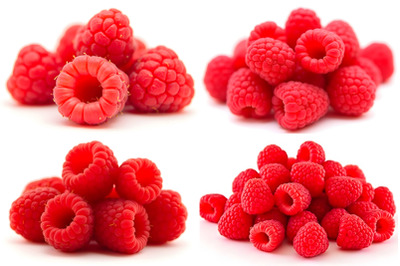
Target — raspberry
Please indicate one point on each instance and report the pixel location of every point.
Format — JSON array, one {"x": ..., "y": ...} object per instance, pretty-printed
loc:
[
  {"x": 290, "y": 162},
  {"x": 354, "y": 233},
  {"x": 139, "y": 180},
  {"x": 367, "y": 192},
  {"x": 217, "y": 75},
  {"x": 89, "y": 170},
  {"x": 239, "y": 54},
  {"x": 26, "y": 211},
  {"x": 53, "y": 182},
  {"x": 235, "y": 223},
  {"x": 65, "y": 49},
  {"x": 267, "y": 235},
  {"x": 273, "y": 214},
  {"x": 370, "y": 68},
  {"x": 266, "y": 29},
  {"x": 159, "y": 82},
  {"x": 257, "y": 197},
  {"x": 305, "y": 76},
  {"x": 67, "y": 222},
  {"x": 248, "y": 95},
  {"x": 274, "y": 174},
  {"x": 139, "y": 49},
  {"x": 297, "y": 221},
  {"x": 33, "y": 76},
  {"x": 121, "y": 225},
  {"x": 311, "y": 151},
  {"x": 271, "y": 154},
  {"x": 236, "y": 197},
  {"x": 272, "y": 60},
  {"x": 381, "y": 222},
  {"x": 241, "y": 179},
  {"x": 342, "y": 190},
  {"x": 108, "y": 35},
  {"x": 320, "y": 206},
  {"x": 212, "y": 206},
  {"x": 310, "y": 175},
  {"x": 297, "y": 104},
  {"x": 360, "y": 208},
  {"x": 167, "y": 216},
  {"x": 333, "y": 168},
  {"x": 355, "y": 171},
  {"x": 299, "y": 21},
  {"x": 382, "y": 56},
  {"x": 311, "y": 240},
  {"x": 351, "y": 91},
  {"x": 331, "y": 222},
  {"x": 90, "y": 90},
  {"x": 383, "y": 198},
  {"x": 292, "y": 198}
]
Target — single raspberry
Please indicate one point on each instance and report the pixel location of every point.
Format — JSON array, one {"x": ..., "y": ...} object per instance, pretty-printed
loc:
[
  {"x": 320, "y": 206},
  {"x": 360, "y": 208},
  {"x": 310, "y": 175},
  {"x": 167, "y": 216},
  {"x": 351, "y": 91},
  {"x": 239, "y": 54},
  {"x": 311, "y": 151},
  {"x": 355, "y": 171},
  {"x": 54, "y": 182},
  {"x": 248, "y": 95},
  {"x": 290, "y": 162},
  {"x": 241, "y": 179},
  {"x": 212, "y": 206},
  {"x": 333, "y": 168},
  {"x": 273, "y": 214},
  {"x": 369, "y": 67},
  {"x": 311, "y": 240},
  {"x": 272, "y": 60},
  {"x": 305, "y": 76},
  {"x": 217, "y": 75},
  {"x": 33, "y": 77},
  {"x": 297, "y": 104},
  {"x": 274, "y": 174},
  {"x": 267, "y": 29},
  {"x": 383, "y": 198},
  {"x": 121, "y": 225},
  {"x": 381, "y": 222},
  {"x": 367, "y": 192},
  {"x": 159, "y": 82},
  {"x": 299, "y": 21},
  {"x": 236, "y": 197},
  {"x": 354, "y": 233},
  {"x": 271, "y": 154},
  {"x": 90, "y": 90},
  {"x": 267, "y": 235},
  {"x": 65, "y": 49},
  {"x": 297, "y": 221},
  {"x": 331, "y": 222},
  {"x": 139, "y": 180},
  {"x": 235, "y": 223},
  {"x": 89, "y": 170},
  {"x": 67, "y": 222},
  {"x": 257, "y": 197},
  {"x": 292, "y": 198},
  {"x": 342, "y": 190},
  {"x": 108, "y": 35},
  {"x": 26, "y": 211},
  {"x": 382, "y": 56}
]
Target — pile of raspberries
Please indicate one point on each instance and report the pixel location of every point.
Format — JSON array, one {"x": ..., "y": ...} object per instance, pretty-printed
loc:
[
  {"x": 306, "y": 199},
  {"x": 299, "y": 71},
  {"x": 98, "y": 69},
  {"x": 121, "y": 207}
]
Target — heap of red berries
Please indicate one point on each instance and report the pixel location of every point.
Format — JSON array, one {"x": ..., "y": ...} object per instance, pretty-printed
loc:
[
  {"x": 306, "y": 199},
  {"x": 298, "y": 72},
  {"x": 99, "y": 68},
  {"x": 121, "y": 207}
]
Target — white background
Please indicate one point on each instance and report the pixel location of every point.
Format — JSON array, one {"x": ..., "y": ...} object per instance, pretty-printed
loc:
[{"x": 201, "y": 149}]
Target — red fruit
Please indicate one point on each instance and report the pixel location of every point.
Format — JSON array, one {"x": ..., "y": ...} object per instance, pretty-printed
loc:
[
  {"x": 267, "y": 235},
  {"x": 367, "y": 192},
  {"x": 382, "y": 56},
  {"x": 241, "y": 179},
  {"x": 369, "y": 67},
  {"x": 212, "y": 207},
  {"x": 297, "y": 221},
  {"x": 353, "y": 170},
  {"x": 305, "y": 76},
  {"x": 311, "y": 240},
  {"x": 333, "y": 168},
  {"x": 383, "y": 198},
  {"x": 217, "y": 75},
  {"x": 354, "y": 233},
  {"x": 342, "y": 190},
  {"x": 360, "y": 208},
  {"x": 292, "y": 198},
  {"x": 271, "y": 154},
  {"x": 299, "y": 21},
  {"x": 331, "y": 222},
  {"x": 239, "y": 54},
  {"x": 381, "y": 222},
  {"x": 310, "y": 175},
  {"x": 311, "y": 151},
  {"x": 320, "y": 206},
  {"x": 54, "y": 182},
  {"x": 65, "y": 49},
  {"x": 273, "y": 214},
  {"x": 267, "y": 29},
  {"x": 236, "y": 197},
  {"x": 257, "y": 197},
  {"x": 235, "y": 223},
  {"x": 274, "y": 174}
]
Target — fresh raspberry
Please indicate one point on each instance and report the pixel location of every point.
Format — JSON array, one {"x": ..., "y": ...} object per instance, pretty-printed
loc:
[
  {"x": 383, "y": 198},
  {"x": 310, "y": 175},
  {"x": 212, "y": 206},
  {"x": 89, "y": 170},
  {"x": 360, "y": 208},
  {"x": 248, "y": 95},
  {"x": 311, "y": 240},
  {"x": 331, "y": 222},
  {"x": 267, "y": 29},
  {"x": 33, "y": 77},
  {"x": 139, "y": 180},
  {"x": 297, "y": 221},
  {"x": 241, "y": 179},
  {"x": 333, "y": 168},
  {"x": 381, "y": 222},
  {"x": 299, "y": 21},
  {"x": 367, "y": 192},
  {"x": 159, "y": 82},
  {"x": 67, "y": 222},
  {"x": 267, "y": 235},
  {"x": 257, "y": 197},
  {"x": 273, "y": 214},
  {"x": 274, "y": 174},
  {"x": 90, "y": 90},
  {"x": 319, "y": 51},
  {"x": 342, "y": 190},
  {"x": 311, "y": 151},
  {"x": 290, "y": 162},
  {"x": 235, "y": 223},
  {"x": 382, "y": 56},
  {"x": 65, "y": 49},
  {"x": 320, "y": 206},
  {"x": 54, "y": 182},
  {"x": 305, "y": 76},
  {"x": 354, "y": 233},
  {"x": 239, "y": 54},
  {"x": 297, "y": 104},
  {"x": 108, "y": 35},
  {"x": 26, "y": 211},
  {"x": 351, "y": 91},
  {"x": 236, "y": 197},
  {"x": 355, "y": 171},
  {"x": 167, "y": 216},
  {"x": 369, "y": 67},
  {"x": 292, "y": 198},
  {"x": 121, "y": 225},
  {"x": 271, "y": 154},
  {"x": 217, "y": 75},
  {"x": 272, "y": 60}
]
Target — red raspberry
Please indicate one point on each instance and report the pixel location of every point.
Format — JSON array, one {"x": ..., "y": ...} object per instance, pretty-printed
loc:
[
  {"x": 351, "y": 91},
  {"x": 67, "y": 222},
  {"x": 355, "y": 171},
  {"x": 354, "y": 233},
  {"x": 310, "y": 175},
  {"x": 167, "y": 216},
  {"x": 360, "y": 208},
  {"x": 159, "y": 82},
  {"x": 65, "y": 49},
  {"x": 369, "y": 67},
  {"x": 367, "y": 192},
  {"x": 290, "y": 162},
  {"x": 33, "y": 76},
  {"x": 297, "y": 221},
  {"x": 311, "y": 151},
  {"x": 108, "y": 35},
  {"x": 272, "y": 60},
  {"x": 342, "y": 190},
  {"x": 53, "y": 182},
  {"x": 271, "y": 154},
  {"x": 26, "y": 211},
  {"x": 212, "y": 206},
  {"x": 267, "y": 29},
  {"x": 139, "y": 180},
  {"x": 297, "y": 104},
  {"x": 267, "y": 235},
  {"x": 299, "y": 21},
  {"x": 241, "y": 179},
  {"x": 333, "y": 168},
  {"x": 305, "y": 76},
  {"x": 248, "y": 95},
  {"x": 235, "y": 223},
  {"x": 89, "y": 170},
  {"x": 311, "y": 240},
  {"x": 236, "y": 197},
  {"x": 292, "y": 198},
  {"x": 274, "y": 174},
  {"x": 273, "y": 214},
  {"x": 239, "y": 54},
  {"x": 139, "y": 49},
  {"x": 257, "y": 197},
  {"x": 90, "y": 90},
  {"x": 121, "y": 225},
  {"x": 320, "y": 206},
  {"x": 383, "y": 198},
  {"x": 331, "y": 222},
  {"x": 382, "y": 56},
  {"x": 381, "y": 222}
]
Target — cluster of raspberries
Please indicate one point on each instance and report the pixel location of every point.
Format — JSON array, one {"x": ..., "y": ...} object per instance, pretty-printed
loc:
[
  {"x": 306, "y": 199},
  {"x": 121, "y": 207},
  {"x": 98, "y": 69},
  {"x": 299, "y": 71}
]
